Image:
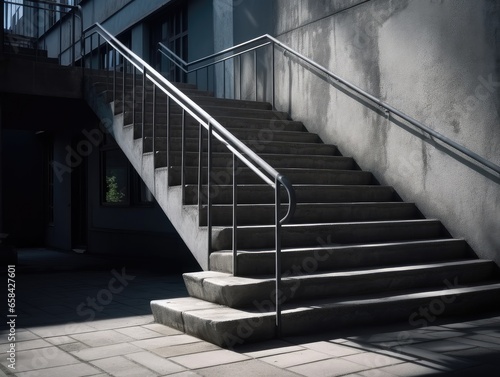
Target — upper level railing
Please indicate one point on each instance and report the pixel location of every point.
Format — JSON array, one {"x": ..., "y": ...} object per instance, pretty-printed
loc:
[
  {"x": 25, "y": 24},
  {"x": 107, "y": 53},
  {"x": 215, "y": 67}
]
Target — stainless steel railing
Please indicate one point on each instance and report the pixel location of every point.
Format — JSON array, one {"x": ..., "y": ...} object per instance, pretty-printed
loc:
[
  {"x": 195, "y": 68},
  {"x": 105, "y": 48}
]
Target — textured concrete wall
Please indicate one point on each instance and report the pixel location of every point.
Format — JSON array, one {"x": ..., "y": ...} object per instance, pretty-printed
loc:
[{"x": 436, "y": 60}]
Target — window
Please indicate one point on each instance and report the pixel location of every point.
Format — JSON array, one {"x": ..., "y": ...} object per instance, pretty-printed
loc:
[
  {"x": 115, "y": 178},
  {"x": 120, "y": 183},
  {"x": 172, "y": 30}
]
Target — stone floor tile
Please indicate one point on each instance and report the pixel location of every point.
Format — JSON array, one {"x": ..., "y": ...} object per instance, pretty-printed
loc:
[
  {"x": 373, "y": 360},
  {"x": 208, "y": 359},
  {"x": 74, "y": 370},
  {"x": 249, "y": 368},
  {"x": 32, "y": 344},
  {"x": 102, "y": 338},
  {"x": 332, "y": 349},
  {"x": 290, "y": 359},
  {"x": 72, "y": 347},
  {"x": 165, "y": 330},
  {"x": 61, "y": 329},
  {"x": 151, "y": 344},
  {"x": 116, "y": 323},
  {"x": 21, "y": 336},
  {"x": 106, "y": 351},
  {"x": 119, "y": 366},
  {"x": 58, "y": 340},
  {"x": 267, "y": 348},
  {"x": 41, "y": 358},
  {"x": 371, "y": 373},
  {"x": 477, "y": 343},
  {"x": 184, "y": 349},
  {"x": 188, "y": 373},
  {"x": 328, "y": 368},
  {"x": 139, "y": 332},
  {"x": 411, "y": 370},
  {"x": 158, "y": 364},
  {"x": 438, "y": 358},
  {"x": 443, "y": 346},
  {"x": 482, "y": 370}
]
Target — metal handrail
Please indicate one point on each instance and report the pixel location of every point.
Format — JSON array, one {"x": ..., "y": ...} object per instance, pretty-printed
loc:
[
  {"x": 383, "y": 105},
  {"x": 239, "y": 150}
]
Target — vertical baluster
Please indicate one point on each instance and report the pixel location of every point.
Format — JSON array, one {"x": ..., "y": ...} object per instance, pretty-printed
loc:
[
  {"x": 235, "y": 217},
  {"x": 200, "y": 167},
  {"x": 154, "y": 120},
  {"x": 183, "y": 155},
  {"x": 255, "y": 71},
  {"x": 143, "y": 135},
  {"x": 224, "y": 77},
  {"x": 273, "y": 77},
  {"x": 168, "y": 141},
  {"x": 278, "y": 256},
  {"x": 133, "y": 94},
  {"x": 209, "y": 196},
  {"x": 123, "y": 83}
]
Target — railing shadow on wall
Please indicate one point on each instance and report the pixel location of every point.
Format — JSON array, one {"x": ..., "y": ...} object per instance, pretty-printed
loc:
[{"x": 206, "y": 73}]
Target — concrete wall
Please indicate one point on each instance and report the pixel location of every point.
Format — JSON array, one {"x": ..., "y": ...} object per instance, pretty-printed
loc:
[{"x": 436, "y": 60}]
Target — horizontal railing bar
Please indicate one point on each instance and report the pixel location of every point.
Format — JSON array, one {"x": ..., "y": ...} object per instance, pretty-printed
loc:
[{"x": 229, "y": 57}]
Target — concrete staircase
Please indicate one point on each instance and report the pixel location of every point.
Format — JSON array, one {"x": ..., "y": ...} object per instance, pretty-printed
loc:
[{"x": 354, "y": 254}]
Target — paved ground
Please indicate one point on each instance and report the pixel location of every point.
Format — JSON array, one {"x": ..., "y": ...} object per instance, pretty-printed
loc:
[{"x": 82, "y": 316}]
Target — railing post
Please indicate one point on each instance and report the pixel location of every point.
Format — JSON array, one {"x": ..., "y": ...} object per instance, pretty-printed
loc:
[
  {"x": 209, "y": 196},
  {"x": 183, "y": 156},
  {"x": 133, "y": 94},
  {"x": 168, "y": 141},
  {"x": 273, "y": 94},
  {"x": 278, "y": 256},
  {"x": 154, "y": 119},
  {"x": 143, "y": 106},
  {"x": 235, "y": 217},
  {"x": 200, "y": 167},
  {"x": 255, "y": 71}
]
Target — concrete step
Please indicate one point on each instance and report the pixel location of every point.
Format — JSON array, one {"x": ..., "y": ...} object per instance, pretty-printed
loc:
[
  {"x": 312, "y": 213},
  {"x": 275, "y": 160},
  {"x": 215, "y": 111},
  {"x": 240, "y": 133},
  {"x": 228, "y": 327},
  {"x": 296, "y": 176},
  {"x": 327, "y": 257},
  {"x": 310, "y": 235},
  {"x": 259, "y": 146},
  {"x": 262, "y": 193},
  {"x": 228, "y": 122},
  {"x": 240, "y": 292},
  {"x": 202, "y": 101}
]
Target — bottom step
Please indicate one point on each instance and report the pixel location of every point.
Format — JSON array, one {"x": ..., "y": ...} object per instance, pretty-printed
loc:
[{"x": 229, "y": 327}]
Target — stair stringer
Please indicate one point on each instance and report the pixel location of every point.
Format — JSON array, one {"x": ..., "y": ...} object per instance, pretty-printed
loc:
[{"x": 184, "y": 218}]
